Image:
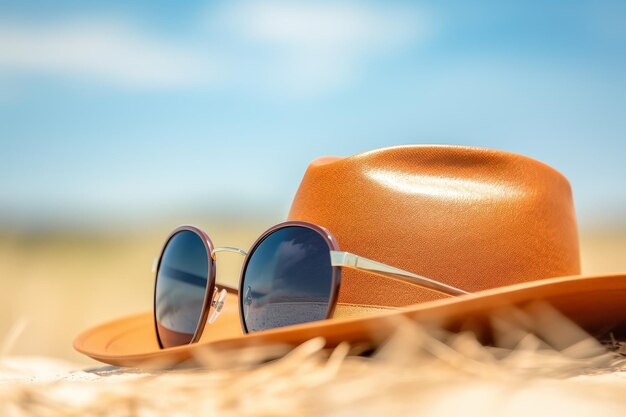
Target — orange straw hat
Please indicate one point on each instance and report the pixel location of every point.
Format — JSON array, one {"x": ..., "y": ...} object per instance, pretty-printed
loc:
[{"x": 498, "y": 225}]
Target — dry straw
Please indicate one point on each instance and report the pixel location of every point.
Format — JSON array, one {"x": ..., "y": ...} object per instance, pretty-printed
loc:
[{"x": 539, "y": 363}]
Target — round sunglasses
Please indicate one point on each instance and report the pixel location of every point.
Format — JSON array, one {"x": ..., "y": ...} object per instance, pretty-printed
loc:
[{"x": 291, "y": 275}]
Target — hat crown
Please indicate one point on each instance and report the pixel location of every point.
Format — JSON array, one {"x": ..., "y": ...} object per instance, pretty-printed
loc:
[{"x": 473, "y": 218}]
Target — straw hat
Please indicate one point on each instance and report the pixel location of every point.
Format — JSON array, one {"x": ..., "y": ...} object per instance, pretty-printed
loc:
[{"x": 499, "y": 225}]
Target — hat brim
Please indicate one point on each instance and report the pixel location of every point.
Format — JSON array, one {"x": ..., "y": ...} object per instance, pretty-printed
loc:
[{"x": 596, "y": 303}]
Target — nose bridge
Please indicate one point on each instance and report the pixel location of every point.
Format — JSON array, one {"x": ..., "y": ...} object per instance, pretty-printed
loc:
[{"x": 228, "y": 249}]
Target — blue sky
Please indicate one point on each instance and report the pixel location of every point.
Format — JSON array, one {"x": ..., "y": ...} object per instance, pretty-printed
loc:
[{"x": 114, "y": 112}]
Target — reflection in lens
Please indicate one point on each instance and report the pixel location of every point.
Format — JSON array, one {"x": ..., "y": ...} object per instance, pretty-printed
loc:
[
  {"x": 180, "y": 288},
  {"x": 288, "y": 280}
]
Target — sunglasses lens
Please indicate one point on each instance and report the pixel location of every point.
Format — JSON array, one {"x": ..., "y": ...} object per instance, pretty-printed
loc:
[
  {"x": 288, "y": 280},
  {"x": 181, "y": 285}
]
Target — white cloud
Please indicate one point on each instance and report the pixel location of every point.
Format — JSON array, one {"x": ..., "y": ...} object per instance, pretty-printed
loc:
[
  {"x": 104, "y": 51},
  {"x": 328, "y": 25},
  {"x": 319, "y": 46},
  {"x": 264, "y": 47}
]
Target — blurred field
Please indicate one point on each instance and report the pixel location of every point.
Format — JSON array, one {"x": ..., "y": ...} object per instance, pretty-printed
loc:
[{"x": 60, "y": 284}]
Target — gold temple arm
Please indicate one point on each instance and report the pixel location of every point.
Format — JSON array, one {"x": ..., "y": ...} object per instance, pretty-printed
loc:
[{"x": 350, "y": 260}]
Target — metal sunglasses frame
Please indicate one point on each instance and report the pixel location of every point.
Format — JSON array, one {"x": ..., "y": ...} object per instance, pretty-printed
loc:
[{"x": 339, "y": 259}]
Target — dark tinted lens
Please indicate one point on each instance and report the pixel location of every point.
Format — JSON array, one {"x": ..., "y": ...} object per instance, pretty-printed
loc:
[
  {"x": 180, "y": 288},
  {"x": 288, "y": 280}
]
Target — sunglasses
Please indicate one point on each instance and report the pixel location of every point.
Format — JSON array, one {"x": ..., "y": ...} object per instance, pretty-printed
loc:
[{"x": 291, "y": 275}]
